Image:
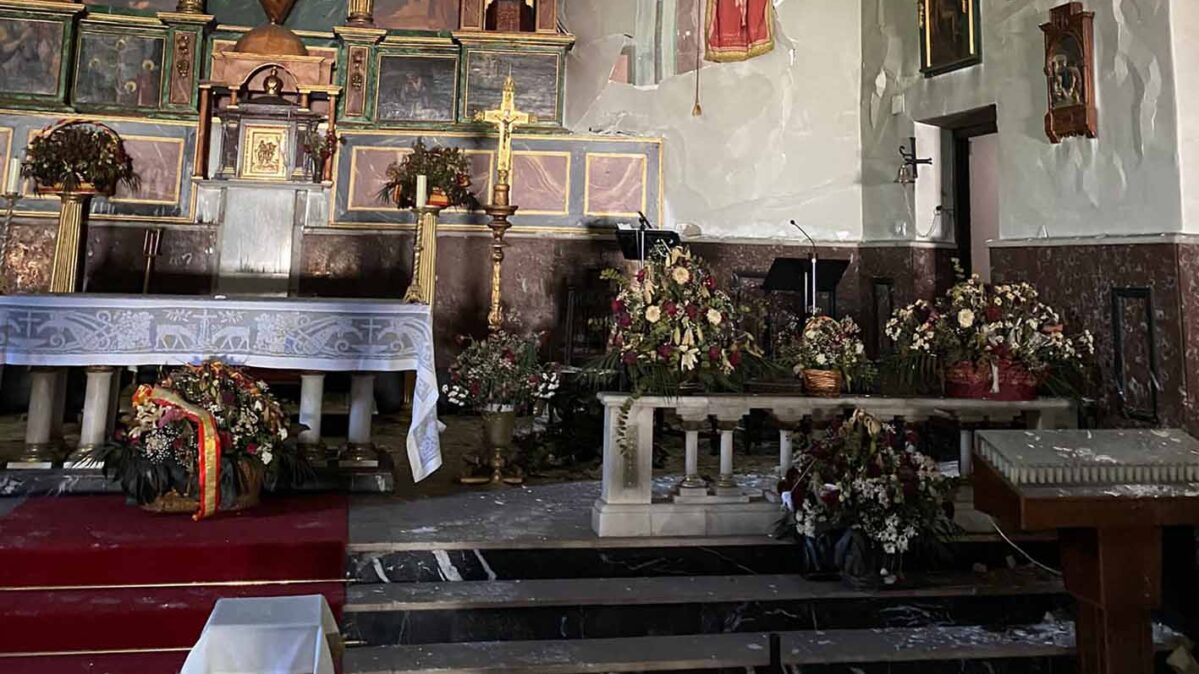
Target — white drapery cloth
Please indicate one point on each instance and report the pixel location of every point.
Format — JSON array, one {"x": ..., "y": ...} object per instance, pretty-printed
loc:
[
  {"x": 274, "y": 333},
  {"x": 275, "y": 635}
]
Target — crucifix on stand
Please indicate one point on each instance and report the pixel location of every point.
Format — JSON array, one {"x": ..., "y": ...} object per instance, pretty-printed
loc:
[{"x": 505, "y": 119}]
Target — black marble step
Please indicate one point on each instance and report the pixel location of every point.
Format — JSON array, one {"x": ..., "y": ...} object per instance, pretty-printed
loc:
[
  {"x": 1035, "y": 649},
  {"x": 429, "y": 613},
  {"x": 733, "y": 557}
]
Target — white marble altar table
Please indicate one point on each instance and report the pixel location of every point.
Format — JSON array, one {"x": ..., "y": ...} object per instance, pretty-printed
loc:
[{"x": 308, "y": 335}]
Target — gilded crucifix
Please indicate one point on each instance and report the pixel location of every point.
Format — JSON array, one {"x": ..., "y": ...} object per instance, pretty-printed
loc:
[{"x": 505, "y": 119}]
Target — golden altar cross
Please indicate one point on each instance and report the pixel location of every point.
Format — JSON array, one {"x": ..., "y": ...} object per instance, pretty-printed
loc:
[{"x": 504, "y": 119}]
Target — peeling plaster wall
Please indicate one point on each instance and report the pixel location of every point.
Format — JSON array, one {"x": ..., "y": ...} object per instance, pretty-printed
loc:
[
  {"x": 1185, "y": 19},
  {"x": 779, "y": 137},
  {"x": 1126, "y": 182}
]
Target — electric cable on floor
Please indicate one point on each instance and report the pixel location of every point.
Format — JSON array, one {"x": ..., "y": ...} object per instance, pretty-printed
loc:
[{"x": 1021, "y": 550}]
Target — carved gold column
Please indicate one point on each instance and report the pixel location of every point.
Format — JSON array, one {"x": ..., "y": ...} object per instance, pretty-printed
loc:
[
  {"x": 70, "y": 244},
  {"x": 362, "y": 13},
  {"x": 424, "y": 257},
  {"x": 190, "y": 7}
]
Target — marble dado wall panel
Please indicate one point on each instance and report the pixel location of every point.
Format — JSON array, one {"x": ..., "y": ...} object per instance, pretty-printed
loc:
[
  {"x": 1159, "y": 351},
  {"x": 569, "y": 183},
  {"x": 162, "y": 155},
  {"x": 539, "y": 272}
]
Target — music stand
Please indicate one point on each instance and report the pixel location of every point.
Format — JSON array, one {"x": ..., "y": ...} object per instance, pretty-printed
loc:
[
  {"x": 792, "y": 274},
  {"x": 636, "y": 244}
]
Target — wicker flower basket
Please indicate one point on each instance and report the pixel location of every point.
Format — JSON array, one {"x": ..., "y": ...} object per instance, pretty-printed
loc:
[
  {"x": 974, "y": 381},
  {"x": 175, "y": 503},
  {"x": 822, "y": 383}
]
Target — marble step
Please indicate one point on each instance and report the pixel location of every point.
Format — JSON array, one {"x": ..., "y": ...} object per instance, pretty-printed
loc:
[
  {"x": 759, "y": 555},
  {"x": 1028, "y": 649},
  {"x": 480, "y": 611}
]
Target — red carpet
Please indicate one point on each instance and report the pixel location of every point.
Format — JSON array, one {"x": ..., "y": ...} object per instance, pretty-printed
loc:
[
  {"x": 98, "y": 540},
  {"x": 67, "y": 565}
]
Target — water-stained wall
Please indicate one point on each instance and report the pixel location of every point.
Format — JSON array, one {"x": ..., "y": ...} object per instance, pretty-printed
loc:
[{"x": 779, "y": 135}]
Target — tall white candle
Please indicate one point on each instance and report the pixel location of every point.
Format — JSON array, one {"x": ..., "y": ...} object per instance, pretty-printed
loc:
[
  {"x": 422, "y": 191},
  {"x": 12, "y": 182}
]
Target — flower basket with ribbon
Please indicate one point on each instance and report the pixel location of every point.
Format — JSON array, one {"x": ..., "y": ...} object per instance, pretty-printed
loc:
[
  {"x": 205, "y": 439},
  {"x": 80, "y": 157},
  {"x": 997, "y": 342}
]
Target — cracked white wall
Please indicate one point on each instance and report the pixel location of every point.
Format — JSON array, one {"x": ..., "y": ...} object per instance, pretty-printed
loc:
[
  {"x": 1185, "y": 19},
  {"x": 779, "y": 137},
  {"x": 1126, "y": 182}
]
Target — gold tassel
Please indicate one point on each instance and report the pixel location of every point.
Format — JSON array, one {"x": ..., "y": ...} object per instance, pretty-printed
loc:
[{"x": 702, "y": 34}]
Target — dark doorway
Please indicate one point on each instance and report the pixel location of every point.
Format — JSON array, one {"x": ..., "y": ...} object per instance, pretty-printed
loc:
[{"x": 973, "y": 205}]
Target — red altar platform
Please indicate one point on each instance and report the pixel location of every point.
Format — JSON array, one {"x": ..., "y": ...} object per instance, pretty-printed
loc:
[{"x": 89, "y": 584}]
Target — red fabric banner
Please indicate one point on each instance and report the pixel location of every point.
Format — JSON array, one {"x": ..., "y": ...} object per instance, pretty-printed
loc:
[{"x": 739, "y": 29}]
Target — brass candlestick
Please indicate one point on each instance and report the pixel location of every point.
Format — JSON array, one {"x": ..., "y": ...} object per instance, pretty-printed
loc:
[
  {"x": 424, "y": 257},
  {"x": 150, "y": 252}
]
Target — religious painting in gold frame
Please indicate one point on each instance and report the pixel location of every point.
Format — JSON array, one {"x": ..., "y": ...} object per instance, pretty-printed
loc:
[
  {"x": 264, "y": 153},
  {"x": 950, "y": 35}
]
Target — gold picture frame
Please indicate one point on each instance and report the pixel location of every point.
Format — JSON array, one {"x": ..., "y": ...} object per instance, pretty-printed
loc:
[
  {"x": 264, "y": 153},
  {"x": 950, "y": 35}
]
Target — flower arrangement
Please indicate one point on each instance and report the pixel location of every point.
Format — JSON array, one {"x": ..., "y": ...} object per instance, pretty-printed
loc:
[
  {"x": 864, "y": 488},
  {"x": 73, "y": 155},
  {"x": 993, "y": 334},
  {"x": 672, "y": 326},
  {"x": 319, "y": 147},
  {"x": 502, "y": 370},
  {"x": 159, "y": 453},
  {"x": 827, "y": 346},
  {"x": 446, "y": 168}
]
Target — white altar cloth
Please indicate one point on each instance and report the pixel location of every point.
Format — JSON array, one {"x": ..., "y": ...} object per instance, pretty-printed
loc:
[
  {"x": 275, "y": 635},
  {"x": 275, "y": 333}
]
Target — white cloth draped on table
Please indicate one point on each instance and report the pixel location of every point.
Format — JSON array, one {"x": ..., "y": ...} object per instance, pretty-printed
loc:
[
  {"x": 275, "y": 635},
  {"x": 274, "y": 333}
]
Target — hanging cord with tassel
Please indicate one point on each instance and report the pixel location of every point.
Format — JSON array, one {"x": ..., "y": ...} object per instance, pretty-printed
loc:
[{"x": 702, "y": 37}]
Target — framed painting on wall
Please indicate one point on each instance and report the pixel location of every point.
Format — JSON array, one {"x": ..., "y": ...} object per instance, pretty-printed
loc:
[
  {"x": 537, "y": 82},
  {"x": 950, "y": 35},
  {"x": 417, "y": 88},
  {"x": 30, "y": 56},
  {"x": 119, "y": 69}
]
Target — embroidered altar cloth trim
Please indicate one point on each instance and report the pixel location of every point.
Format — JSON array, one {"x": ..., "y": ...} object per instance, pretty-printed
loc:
[{"x": 273, "y": 333}]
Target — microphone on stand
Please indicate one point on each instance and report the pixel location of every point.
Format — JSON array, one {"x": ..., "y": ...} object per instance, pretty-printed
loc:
[
  {"x": 641, "y": 235},
  {"x": 812, "y": 256},
  {"x": 643, "y": 220}
]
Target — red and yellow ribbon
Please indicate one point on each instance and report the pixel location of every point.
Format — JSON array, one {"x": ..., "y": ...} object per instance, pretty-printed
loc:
[{"x": 209, "y": 461}]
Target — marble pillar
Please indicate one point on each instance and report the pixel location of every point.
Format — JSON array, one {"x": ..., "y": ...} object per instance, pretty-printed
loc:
[
  {"x": 726, "y": 485},
  {"x": 360, "y": 451},
  {"x": 312, "y": 397},
  {"x": 97, "y": 406},
  {"x": 40, "y": 448}
]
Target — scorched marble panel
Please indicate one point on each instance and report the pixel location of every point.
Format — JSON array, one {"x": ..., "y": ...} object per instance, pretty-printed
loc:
[
  {"x": 159, "y": 163},
  {"x": 616, "y": 184},
  {"x": 541, "y": 182}
]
